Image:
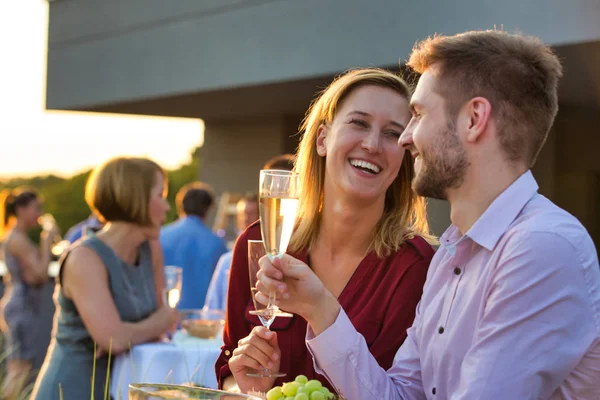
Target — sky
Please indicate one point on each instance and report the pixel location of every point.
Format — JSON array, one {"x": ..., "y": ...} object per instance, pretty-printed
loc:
[{"x": 35, "y": 142}]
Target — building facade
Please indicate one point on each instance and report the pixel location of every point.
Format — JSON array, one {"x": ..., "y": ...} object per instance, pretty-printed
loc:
[{"x": 249, "y": 69}]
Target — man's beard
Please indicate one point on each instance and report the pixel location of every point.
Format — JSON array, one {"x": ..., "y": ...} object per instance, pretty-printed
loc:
[{"x": 443, "y": 166}]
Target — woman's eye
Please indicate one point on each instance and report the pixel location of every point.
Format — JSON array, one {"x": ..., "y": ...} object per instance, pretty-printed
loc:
[{"x": 359, "y": 122}]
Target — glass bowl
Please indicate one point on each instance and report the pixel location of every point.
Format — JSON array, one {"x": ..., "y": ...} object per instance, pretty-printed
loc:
[
  {"x": 147, "y": 391},
  {"x": 203, "y": 323}
]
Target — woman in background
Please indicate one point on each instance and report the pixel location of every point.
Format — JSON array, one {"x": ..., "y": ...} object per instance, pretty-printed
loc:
[
  {"x": 110, "y": 284},
  {"x": 27, "y": 271}
]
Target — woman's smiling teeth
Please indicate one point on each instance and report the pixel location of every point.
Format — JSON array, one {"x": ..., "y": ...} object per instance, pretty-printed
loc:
[{"x": 365, "y": 166}]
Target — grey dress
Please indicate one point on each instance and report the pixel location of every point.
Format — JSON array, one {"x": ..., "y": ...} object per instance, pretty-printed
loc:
[
  {"x": 70, "y": 358},
  {"x": 22, "y": 305}
]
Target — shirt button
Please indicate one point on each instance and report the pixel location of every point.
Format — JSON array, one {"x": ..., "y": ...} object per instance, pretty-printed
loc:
[
  {"x": 433, "y": 391},
  {"x": 457, "y": 271},
  {"x": 440, "y": 331},
  {"x": 227, "y": 353}
]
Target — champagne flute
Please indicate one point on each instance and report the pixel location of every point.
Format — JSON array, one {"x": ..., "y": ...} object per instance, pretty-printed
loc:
[
  {"x": 278, "y": 193},
  {"x": 58, "y": 245},
  {"x": 266, "y": 314},
  {"x": 278, "y": 208},
  {"x": 172, "y": 290},
  {"x": 47, "y": 221}
]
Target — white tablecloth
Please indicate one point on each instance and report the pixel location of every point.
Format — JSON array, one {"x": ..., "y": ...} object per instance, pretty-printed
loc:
[{"x": 185, "y": 359}]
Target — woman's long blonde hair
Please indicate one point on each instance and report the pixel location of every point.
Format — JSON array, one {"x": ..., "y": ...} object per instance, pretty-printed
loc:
[{"x": 404, "y": 212}]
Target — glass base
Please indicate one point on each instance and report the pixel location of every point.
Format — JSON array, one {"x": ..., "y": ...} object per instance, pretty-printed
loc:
[
  {"x": 265, "y": 373},
  {"x": 277, "y": 313},
  {"x": 284, "y": 314}
]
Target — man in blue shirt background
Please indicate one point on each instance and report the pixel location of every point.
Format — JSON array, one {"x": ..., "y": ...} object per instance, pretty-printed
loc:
[
  {"x": 188, "y": 243},
  {"x": 79, "y": 230},
  {"x": 247, "y": 213}
]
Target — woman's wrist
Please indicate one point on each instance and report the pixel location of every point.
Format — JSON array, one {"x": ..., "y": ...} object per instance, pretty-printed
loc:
[{"x": 324, "y": 313}]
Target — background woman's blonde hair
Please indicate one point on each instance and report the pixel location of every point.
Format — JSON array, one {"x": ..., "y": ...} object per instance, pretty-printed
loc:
[
  {"x": 404, "y": 213},
  {"x": 120, "y": 189}
]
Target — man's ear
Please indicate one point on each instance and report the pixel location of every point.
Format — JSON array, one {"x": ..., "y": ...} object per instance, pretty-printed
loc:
[
  {"x": 478, "y": 114},
  {"x": 322, "y": 140}
]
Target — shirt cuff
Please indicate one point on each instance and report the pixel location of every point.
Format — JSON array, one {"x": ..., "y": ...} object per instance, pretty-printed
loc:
[{"x": 333, "y": 344}]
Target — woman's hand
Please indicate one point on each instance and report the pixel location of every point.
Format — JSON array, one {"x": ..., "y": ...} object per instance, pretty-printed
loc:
[
  {"x": 168, "y": 318},
  {"x": 50, "y": 234},
  {"x": 298, "y": 290},
  {"x": 257, "y": 351}
]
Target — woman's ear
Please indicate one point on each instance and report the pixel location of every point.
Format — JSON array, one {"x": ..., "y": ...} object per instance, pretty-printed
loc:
[{"x": 322, "y": 140}]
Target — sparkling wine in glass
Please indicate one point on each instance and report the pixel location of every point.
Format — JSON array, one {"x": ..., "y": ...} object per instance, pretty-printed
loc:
[
  {"x": 58, "y": 245},
  {"x": 266, "y": 314},
  {"x": 172, "y": 290},
  {"x": 278, "y": 208},
  {"x": 47, "y": 221}
]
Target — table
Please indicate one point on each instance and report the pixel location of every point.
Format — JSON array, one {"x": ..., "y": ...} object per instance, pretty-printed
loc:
[{"x": 183, "y": 360}]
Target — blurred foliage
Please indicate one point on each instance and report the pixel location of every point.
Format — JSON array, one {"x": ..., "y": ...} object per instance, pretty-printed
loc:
[{"x": 64, "y": 198}]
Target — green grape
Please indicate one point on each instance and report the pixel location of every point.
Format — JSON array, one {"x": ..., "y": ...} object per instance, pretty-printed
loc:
[
  {"x": 275, "y": 393},
  {"x": 302, "y": 389},
  {"x": 317, "y": 395},
  {"x": 289, "y": 389},
  {"x": 327, "y": 393},
  {"x": 301, "y": 379},
  {"x": 289, "y": 398},
  {"x": 301, "y": 396},
  {"x": 313, "y": 385}
]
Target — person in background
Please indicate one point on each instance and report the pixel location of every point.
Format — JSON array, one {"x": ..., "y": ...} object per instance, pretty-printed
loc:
[
  {"x": 109, "y": 287},
  {"x": 511, "y": 306},
  {"x": 247, "y": 213},
  {"x": 188, "y": 243},
  {"x": 360, "y": 227},
  {"x": 27, "y": 266},
  {"x": 284, "y": 162},
  {"x": 76, "y": 232}
]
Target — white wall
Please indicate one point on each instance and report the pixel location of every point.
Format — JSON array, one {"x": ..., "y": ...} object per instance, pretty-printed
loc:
[
  {"x": 118, "y": 50},
  {"x": 234, "y": 152}
]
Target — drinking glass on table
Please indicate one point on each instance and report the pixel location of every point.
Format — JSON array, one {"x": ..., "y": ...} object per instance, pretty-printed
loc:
[
  {"x": 266, "y": 314},
  {"x": 172, "y": 290}
]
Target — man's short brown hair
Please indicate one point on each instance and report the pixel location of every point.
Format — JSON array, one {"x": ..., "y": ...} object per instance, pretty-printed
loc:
[
  {"x": 120, "y": 189},
  {"x": 282, "y": 162},
  {"x": 195, "y": 198},
  {"x": 518, "y": 75}
]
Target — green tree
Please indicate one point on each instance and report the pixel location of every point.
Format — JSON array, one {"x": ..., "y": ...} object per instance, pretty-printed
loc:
[{"x": 64, "y": 198}]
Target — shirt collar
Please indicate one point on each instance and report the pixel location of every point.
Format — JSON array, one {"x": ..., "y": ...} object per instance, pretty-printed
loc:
[
  {"x": 194, "y": 219},
  {"x": 496, "y": 219}
]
